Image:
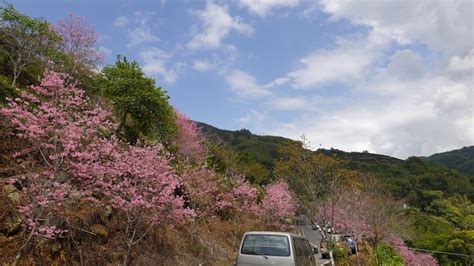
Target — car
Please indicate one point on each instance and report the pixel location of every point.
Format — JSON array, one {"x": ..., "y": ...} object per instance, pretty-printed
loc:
[
  {"x": 337, "y": 242},
  {"x": 275, "y": 248},
  {"x": 351, "y": 244}
]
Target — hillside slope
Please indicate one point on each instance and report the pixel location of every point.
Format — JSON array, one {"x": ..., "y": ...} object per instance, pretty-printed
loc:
[
  {"x": 461, "y": 160},
  {"x": 404, "y": 178}
]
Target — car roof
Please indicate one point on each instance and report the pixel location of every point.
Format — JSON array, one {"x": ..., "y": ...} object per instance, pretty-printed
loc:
[{"x": 272, "y": 233}]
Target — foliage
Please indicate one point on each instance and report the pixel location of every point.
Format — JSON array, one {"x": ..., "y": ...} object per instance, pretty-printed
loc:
[
  {"x": 402, "y": 178},
  {"x": 208, "y": 192},
  {"x": 340, "y": 250},
  {"x": 316, "y": 178},
  {"x": 253, "y": 155},
  {"x": 385, "y": 255},
  {"x": 367, "y": 212},
  {"x": 77, "y": 41},
  {"x": 6, "y": 90},
  {"x": 411, "y": 258},
  {"x": 437, "y": 233},
  {"x": 461, "y": 160},
  {"x": 189, "y": 140},
  {"x": 278, "y": 206},
  {"x": 81, "y": 162},
  {"x": 25, "y": 41},
  {"x": 142, "y": 108},
  {"x": 407, "y": 178}
]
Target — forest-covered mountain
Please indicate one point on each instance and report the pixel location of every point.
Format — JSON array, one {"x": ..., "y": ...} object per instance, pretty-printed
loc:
[
  {"x": 404, "y": 178},
  {"x": 442, "y": 213},
  {"x": 461, "y": 160}
]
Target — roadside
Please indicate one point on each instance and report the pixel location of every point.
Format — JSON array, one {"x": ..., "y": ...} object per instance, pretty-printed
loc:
[{"x": 314, "y": 238}]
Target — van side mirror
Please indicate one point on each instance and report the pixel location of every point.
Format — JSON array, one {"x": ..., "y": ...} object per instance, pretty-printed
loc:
[{"x": 315, "y": 250}]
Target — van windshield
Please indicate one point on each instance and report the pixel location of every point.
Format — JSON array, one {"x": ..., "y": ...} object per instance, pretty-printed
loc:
[{"x": 270, "y": 245}]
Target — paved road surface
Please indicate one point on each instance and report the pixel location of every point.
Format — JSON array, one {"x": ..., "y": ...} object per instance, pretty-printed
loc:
[{"x": 314, "y": 237}]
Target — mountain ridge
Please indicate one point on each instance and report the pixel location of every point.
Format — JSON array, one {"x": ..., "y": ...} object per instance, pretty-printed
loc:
[{"x": 404, "y": 178}]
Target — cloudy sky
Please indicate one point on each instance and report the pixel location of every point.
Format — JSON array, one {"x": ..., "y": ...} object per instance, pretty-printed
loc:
[{"x": 391, "y": 77}]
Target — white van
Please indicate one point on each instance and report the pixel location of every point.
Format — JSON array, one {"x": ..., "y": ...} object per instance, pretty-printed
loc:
[{"x": 275, "y": 248}]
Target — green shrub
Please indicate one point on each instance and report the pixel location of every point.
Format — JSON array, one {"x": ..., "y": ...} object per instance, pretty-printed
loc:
[
  {"x": 6, "y": 90},
  {"x": 340, "y": 251},
  {"x": 385, "y": 255}
]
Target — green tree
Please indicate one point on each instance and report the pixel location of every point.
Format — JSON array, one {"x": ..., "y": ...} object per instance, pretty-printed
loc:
[
  {"x": 24, "y": 41},
  {"x": 142, "y": 109},
  {"x": 316, "y": 178}
]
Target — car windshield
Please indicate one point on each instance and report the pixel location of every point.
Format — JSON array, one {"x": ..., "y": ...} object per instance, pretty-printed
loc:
[{"x": 270, "y": 245}]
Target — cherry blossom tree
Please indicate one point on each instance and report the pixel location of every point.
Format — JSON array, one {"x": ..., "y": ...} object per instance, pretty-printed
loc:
[
  {"x": 278, "y": 205},
  {"x": 189, "y": 141},
  {"x": 80, "y": 159},
  {"x": 78, "y": 41},
  {"x": 209, "y": 195},
  {"x": 136, "y": 181},
  {"x": 410, "y": 257},
  {"x": 245, "y": 196}
]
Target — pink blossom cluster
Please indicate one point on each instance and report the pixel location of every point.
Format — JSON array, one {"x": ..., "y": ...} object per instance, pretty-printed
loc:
[
  {"x": 80, "y": 159},
  {"x": 411, "y": 258},
  {"x": 189, "y": 141},
  {"x": 208, "y": 194},
  {"x": 278, "y": 205},
  {"x": 244, "y": 195},
  {"x": 347, "y": 213},
  {"x": 78, "y": 40}
]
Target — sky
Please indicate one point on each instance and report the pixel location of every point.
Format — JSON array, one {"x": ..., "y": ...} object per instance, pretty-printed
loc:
[{"x": 389, "y": 77}]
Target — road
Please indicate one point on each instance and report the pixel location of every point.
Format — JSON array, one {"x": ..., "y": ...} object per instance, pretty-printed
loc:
[{"x": 314, "y": 237}]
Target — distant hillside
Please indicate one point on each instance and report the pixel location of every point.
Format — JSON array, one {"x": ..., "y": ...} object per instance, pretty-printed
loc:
[
  {"x": 262, "y": 149},
  {"x": 461, "y": 160},
  {"x": 404, "y": 178},
  {"x": 408, "y": 178}
]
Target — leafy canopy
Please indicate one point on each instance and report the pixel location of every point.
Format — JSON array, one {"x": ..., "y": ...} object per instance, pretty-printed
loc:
[{"x": 141, "y": 107}]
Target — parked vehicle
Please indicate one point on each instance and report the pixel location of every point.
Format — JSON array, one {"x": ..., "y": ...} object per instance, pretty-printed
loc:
[
  {"x": 337, "y": 242},
  {"x": 275, "y": 248},
  {"x": 351, "y": 244},
  {"x": 315, "y": 226}
]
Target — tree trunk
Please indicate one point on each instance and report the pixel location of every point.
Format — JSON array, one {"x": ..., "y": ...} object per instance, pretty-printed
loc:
[
  {"x": 357, "y": 252},
  {"x": 331, "y": 258},
  {"x": 18, "y": 255},
  {"x": 16, "y": 74},
  {"x": 126, "y": 256},
  {"x": 122, "y": 122}
]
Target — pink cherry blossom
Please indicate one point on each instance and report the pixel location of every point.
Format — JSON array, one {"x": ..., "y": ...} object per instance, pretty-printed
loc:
[
  {"x": 189, "y": 141},
  {"x": 278, "y": 205}
]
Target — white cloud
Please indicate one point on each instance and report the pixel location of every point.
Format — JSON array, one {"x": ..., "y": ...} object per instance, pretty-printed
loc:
[
  {"x": 245, "y": 85},
  {"x": 140, "y": 35},
  {"x": 156, "y": 61},
  {"x": 264, "y": 7},
  {"x": 137, "y": 27},
  {"x": 252, "y": 116},
  {"x": 405, "y": 64},
  {"x": 400, "y": 127},
  {"x": 414, "y": 101},
  {"x": 436, "y": 23},
  {"x": 216, "y": 23},
  {"x": 344, "y": 64},
  {"x": 121, "y": 21},
  {"x": 202, "y": 65},
  {"x": 291, "y": 103},
  {"x": 459, "y": 63},
  {"x": 277, "y": 82}
]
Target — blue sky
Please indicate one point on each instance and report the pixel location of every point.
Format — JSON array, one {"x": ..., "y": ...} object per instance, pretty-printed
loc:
[{"x": 391, "y": 77}]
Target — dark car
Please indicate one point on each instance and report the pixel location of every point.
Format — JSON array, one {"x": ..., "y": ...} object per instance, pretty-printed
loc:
[{"x": 351, "y": 244}]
